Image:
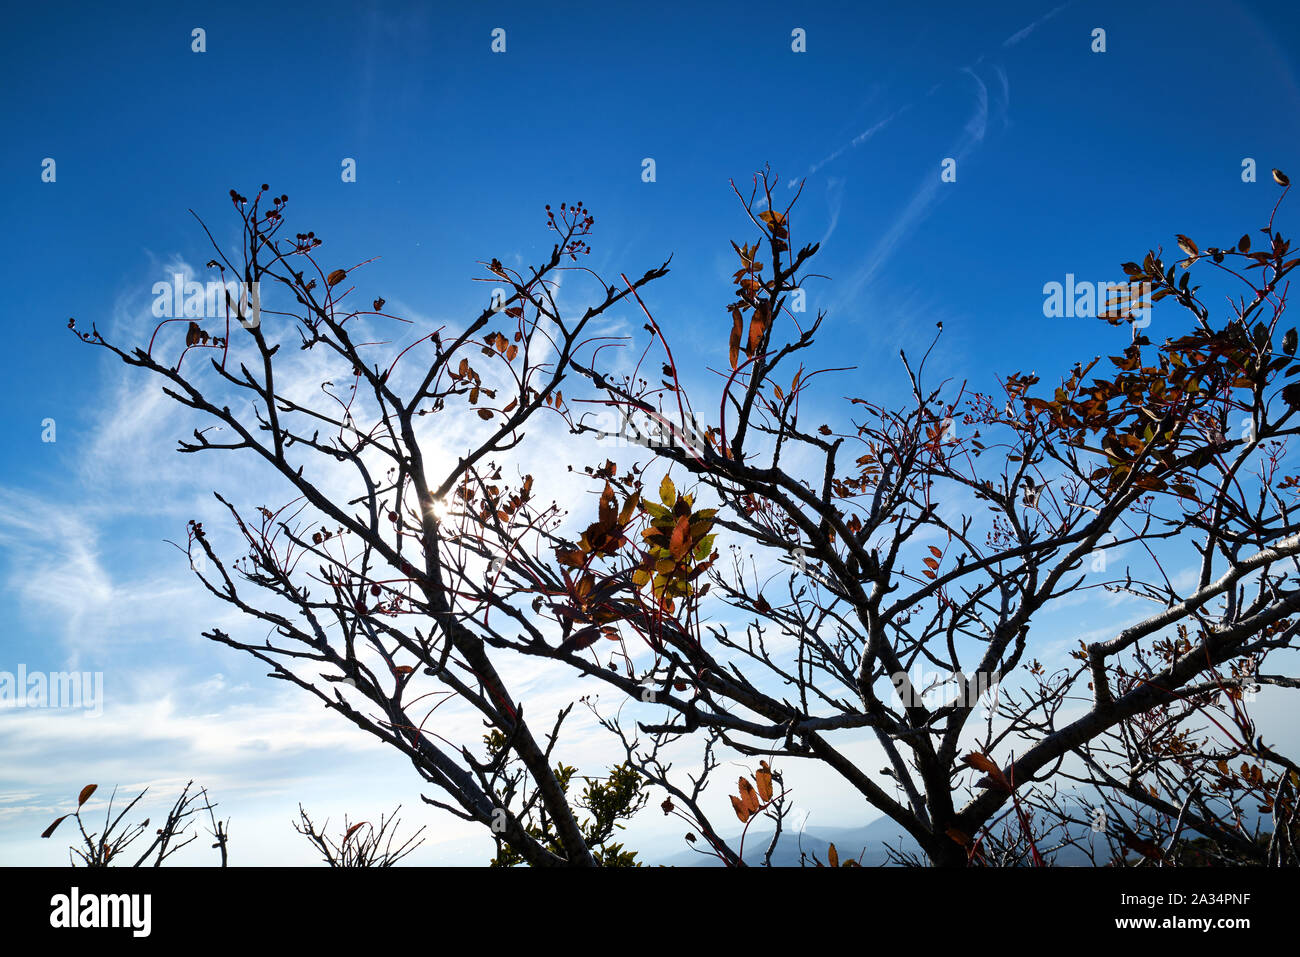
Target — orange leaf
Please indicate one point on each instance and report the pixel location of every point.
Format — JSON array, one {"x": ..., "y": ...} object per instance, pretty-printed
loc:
[
  {"x": 749, "y": 796},
  {"x": 336, "y": 277},
  {"x": 832, "y": 856},
  {"x": 763, "y": 777},
  {"x": 607, "y": 507},
  {"x": 85, "y": 794},
  {"x": 680, "y": 543},
  {"x": 755, "y": 334},
  {"x": 741, "y": 811},
  {"x": 735, "y": 337},
  {"x": 59, "y": 820},
  {"x": 982, "y": 762}
]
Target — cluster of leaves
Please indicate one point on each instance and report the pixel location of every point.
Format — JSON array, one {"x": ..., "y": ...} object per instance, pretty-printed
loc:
[
  {"x": 609, "y": 802},
  {"x": 606, "y": 535},
  {"x": 755, "y": 796},
  {"x": 593, "y": 602},
  {"x": 1154, "y": 413},
  {"x": 750, "y": 288},
  {"x": 1143, "y": 411},
  {"x": 677, "y": 552},
  {"x": 679, "y": 547},
  {"x": 754, "y": 293}
]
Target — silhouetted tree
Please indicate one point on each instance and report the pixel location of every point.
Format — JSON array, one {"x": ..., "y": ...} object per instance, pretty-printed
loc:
[{"x": 934, "y": 533}]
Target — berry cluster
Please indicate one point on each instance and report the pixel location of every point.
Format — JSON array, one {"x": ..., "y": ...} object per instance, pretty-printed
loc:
[{"x": 576, "y": 221}]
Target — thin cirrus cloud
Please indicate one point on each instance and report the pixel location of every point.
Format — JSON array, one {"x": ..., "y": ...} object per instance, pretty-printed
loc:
[
  {"x": 926, "y": 195},
  {"x": 867, "y": 134},
  {"x": 857, "y": 141},
  {"x": 1024, "y": 32}
]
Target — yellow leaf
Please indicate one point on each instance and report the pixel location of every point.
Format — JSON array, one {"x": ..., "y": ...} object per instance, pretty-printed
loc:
[{"x": 668, "y": 492}]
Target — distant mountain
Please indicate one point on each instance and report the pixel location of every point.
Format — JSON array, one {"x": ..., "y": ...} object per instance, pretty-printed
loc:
[{"x": 865, "y": 844}]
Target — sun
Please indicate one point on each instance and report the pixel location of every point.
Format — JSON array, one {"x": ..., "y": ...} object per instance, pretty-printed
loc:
[{"x": 440, "y": 509}]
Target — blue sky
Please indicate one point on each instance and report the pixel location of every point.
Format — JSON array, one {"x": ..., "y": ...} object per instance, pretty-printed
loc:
[{"x": 1068, "y": 161}]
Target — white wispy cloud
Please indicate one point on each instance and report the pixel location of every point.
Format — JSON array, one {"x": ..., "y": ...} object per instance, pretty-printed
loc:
[
  {"x": 857, "y": 141},
  {"x": 1024, "y": 32},
  {"x": 926, "y": 195}
]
